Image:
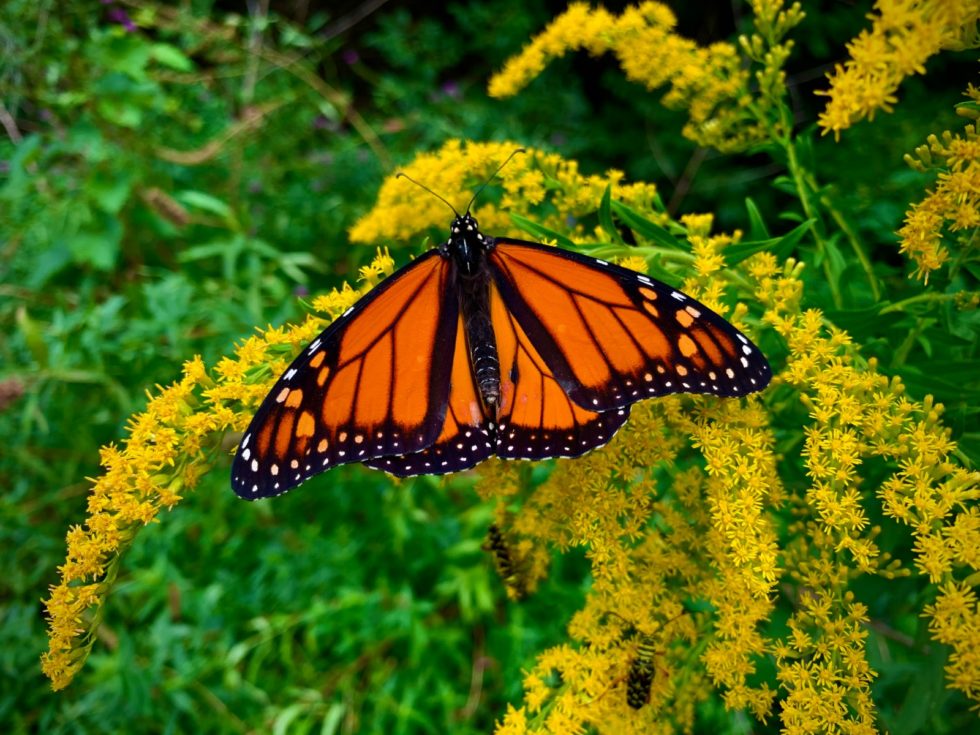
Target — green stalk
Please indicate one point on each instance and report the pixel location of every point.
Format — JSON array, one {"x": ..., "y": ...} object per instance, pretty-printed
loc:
[
  {"x": 803, "y": 190},
  {"x": 856, "y": 245},
  {"x": 922, "y": 297}
]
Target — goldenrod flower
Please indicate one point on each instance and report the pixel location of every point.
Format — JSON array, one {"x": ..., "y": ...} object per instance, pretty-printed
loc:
[
  {"x": 712, "y": 83},
  {"x": 536, "y": 178},
  {"x": 952, "y": 211},
  {"x": 903, "y": 36}
]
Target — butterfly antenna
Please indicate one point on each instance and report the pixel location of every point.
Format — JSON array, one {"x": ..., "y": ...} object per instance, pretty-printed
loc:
[
  {"x": 492, "y": 177},
  {"x": 423, "y": 186}
]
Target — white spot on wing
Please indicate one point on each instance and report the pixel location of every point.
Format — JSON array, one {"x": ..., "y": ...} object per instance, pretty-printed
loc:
[{"x": 678, "y": 295}]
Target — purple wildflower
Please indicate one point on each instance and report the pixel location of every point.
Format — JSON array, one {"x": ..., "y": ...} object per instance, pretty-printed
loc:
[{"x": 118, "y": 15}]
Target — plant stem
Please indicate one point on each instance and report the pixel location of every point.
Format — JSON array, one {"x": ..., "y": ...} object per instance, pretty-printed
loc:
[
  {"x": 856, "y": 245},
  {"x": 930, "y": 296},
  {"x": 803, "y": 190}
]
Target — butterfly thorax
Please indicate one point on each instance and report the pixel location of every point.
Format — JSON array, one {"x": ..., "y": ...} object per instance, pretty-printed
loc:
[{"x": 467, "y": 247}]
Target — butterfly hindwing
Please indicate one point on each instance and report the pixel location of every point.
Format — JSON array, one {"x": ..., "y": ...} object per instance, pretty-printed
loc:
[
  {"x": 374, "y": 383},
  {"x": 612, "y": 336},
  {"x": 537, "y": 418}
]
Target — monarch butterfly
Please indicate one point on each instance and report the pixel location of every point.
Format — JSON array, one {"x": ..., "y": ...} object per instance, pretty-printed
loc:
[{"x": 487, "y": 346}]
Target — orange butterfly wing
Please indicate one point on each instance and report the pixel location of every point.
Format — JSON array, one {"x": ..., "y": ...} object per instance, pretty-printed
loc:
[
  {"x": 374, "y": 383},
  {"x": 611, "y": 336},
  {"x": 537, "y": 418},
  {"x": 466, "y": 438}
]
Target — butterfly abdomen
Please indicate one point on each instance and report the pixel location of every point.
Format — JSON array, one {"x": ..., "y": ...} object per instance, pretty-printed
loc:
[{"x": 474, "y": 304}]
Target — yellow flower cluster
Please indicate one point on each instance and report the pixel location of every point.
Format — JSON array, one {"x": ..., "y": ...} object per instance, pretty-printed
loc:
[
  {"x": 170, "y": 445},
  {"x": 953, "y": 208},
  {"x": 711, "y": 83},
  {"x": 903, "y": 36},
  {"x": 857, "y": 414},
  {"x": 534, "y": 182}
]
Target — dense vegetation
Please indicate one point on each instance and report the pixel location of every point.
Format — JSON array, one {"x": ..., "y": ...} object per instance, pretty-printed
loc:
[{"x": 174, "y": 176}]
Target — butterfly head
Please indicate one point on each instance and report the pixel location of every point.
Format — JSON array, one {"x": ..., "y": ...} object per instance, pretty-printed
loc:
[{"x": 466, "y": 244}]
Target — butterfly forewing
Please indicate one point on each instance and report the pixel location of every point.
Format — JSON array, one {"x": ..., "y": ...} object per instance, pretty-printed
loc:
[
  {"x": 374, "y": 383},
  {"x": 611, "y": 336}
]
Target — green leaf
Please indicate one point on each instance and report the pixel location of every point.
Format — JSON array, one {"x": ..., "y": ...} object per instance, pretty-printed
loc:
[
  {"x": 958, "y": 372},
  {"x": 282, "y": 722},
  {"x": 125, "y": 53},
  {"x": 608, "y": 251},
  {"x": 541, "y": 232},
  {"x": 19, "y": 179},
  {"x": 33, "y": 337},
  {"x": 97, "y": 249},
  {"x": 921, "y": 383},
  {"x": 865, "y": 323},
  {"x": 120, "y": 112},
  {"x": 110, "y": 189},
  {"x": 969, "y": 109},
  {"x": 207, "y": 203},
  {"x": 333, "y": 718},
  {"x": 969, "y": 444},
  {"x": 164, "y": 53},
  {"x": 924, "y": 696},
  {"x": 645, "y": 228},
  {"x": 658, "y": 203},
  {"x": 605, "y": 217},
  {"x": 781, "y": 247},
  {"x": 757, "y": 226},
  {"x": 836, "y": 258}
]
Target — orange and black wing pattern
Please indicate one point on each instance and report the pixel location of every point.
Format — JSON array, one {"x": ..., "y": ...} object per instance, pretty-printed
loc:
[
  {"x": 537, "y": 417},
  {"x": 611, "y": 336},
  {"x": 374, "y": 383},
  {"x": 466, "y": 438}
]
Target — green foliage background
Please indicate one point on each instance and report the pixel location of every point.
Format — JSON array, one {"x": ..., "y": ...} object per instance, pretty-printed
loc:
[{"x": 166, "y": 189}]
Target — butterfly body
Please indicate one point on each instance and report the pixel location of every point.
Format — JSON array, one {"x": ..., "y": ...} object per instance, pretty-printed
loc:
[
  {"x": 487, "y": 346},
  {"x": 467, "y": 247}
]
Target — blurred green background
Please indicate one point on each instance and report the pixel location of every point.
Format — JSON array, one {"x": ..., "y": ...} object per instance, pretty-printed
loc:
[{"x": 174, "y": 175}]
